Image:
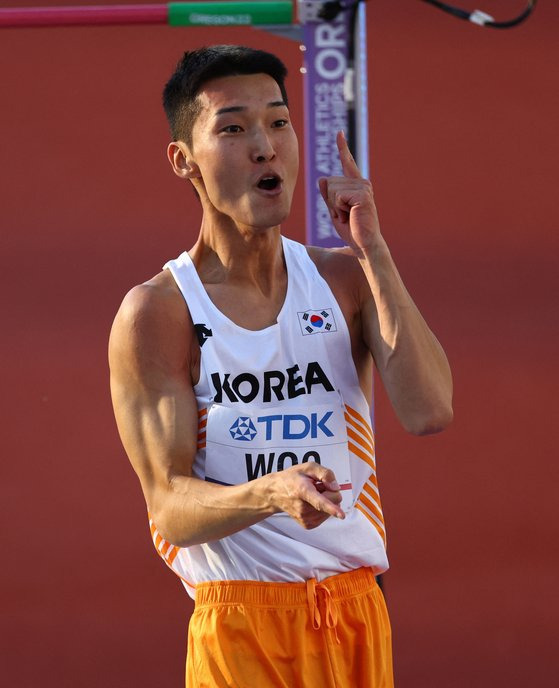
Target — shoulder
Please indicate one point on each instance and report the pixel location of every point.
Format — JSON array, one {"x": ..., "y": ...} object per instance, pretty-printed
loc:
[
  {"x": 154, "y": 303},
  {"x": 334, "y": 261},
  {"x": 343, "y": 273},
  {"x": 152, "y": 327}
]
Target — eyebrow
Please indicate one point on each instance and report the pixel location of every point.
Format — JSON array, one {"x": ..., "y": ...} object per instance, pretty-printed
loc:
[{"x": 242, "y": 108}]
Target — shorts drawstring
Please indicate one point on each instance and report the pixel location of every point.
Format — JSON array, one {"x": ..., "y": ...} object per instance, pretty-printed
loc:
[{"x": 313, "y": 590}]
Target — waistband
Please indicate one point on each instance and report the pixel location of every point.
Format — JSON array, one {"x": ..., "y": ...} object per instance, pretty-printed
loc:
[{"x": 265, "y": 594}]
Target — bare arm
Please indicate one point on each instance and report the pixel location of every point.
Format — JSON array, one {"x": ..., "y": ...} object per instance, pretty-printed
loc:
[
  {"x": 411, "y": 362},
  {"x": 150, "y": 356}
]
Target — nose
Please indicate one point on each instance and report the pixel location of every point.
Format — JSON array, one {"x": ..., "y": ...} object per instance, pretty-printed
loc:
[{"x": 263, "y": 150}]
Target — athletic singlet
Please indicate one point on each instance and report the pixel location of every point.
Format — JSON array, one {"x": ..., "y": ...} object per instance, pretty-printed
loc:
[{"x": 270, "y": 399}]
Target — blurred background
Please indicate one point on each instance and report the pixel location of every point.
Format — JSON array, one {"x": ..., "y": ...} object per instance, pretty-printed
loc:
[{"x": 463, "y": 124}]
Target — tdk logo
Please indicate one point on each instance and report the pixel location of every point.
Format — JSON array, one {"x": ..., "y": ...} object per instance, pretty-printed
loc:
[
  {"x": 294, "y": 426},
  {"x": 243, "y": 429}
]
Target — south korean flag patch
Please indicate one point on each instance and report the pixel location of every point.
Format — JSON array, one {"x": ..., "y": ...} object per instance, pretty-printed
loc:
[{"x": 314, "y": 322}]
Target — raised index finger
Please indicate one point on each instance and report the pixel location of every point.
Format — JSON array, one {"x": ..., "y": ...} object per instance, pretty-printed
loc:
[{"x": 349, "y": 166}]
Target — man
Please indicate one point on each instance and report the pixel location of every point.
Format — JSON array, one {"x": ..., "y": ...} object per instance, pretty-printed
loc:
[{"x": 241, "y": 378}]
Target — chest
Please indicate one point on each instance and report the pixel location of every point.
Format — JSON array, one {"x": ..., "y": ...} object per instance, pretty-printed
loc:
[{"x": 249, "y": 308}]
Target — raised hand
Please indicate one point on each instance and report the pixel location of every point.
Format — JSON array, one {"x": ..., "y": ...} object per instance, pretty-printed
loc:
[{"x": 350, "y": 202}]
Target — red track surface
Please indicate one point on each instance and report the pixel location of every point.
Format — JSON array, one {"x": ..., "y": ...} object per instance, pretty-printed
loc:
[{"x": 464, "y": 153}]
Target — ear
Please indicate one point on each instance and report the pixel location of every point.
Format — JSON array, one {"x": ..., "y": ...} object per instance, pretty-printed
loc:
[{"x": 181, "y": 161}]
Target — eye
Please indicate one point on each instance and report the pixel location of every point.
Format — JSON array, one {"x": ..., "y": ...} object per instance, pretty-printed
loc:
[
  {"x": 280, "y": 123},
  {"x": 231, "y": 129}
]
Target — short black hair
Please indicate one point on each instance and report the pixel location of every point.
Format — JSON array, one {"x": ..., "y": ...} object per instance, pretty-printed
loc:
[{"x": 199, "y": 66}]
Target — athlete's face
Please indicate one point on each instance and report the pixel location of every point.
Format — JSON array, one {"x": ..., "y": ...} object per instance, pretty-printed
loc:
[{"x": 244, "y": 150}]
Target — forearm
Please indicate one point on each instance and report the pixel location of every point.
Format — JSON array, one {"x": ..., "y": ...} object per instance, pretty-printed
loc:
[
  {"x": 189, "y": 511},
  {"x": 412, "y": 363}
]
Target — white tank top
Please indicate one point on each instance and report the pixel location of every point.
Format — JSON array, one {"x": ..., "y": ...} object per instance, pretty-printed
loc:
[{"x": 269, "y": 399}]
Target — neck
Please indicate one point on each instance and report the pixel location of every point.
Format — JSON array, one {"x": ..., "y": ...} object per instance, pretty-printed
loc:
[{"x": 240, "y": 255}]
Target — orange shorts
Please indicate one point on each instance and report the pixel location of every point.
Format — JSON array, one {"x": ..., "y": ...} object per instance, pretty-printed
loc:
[{"x": 333, "y": 634}]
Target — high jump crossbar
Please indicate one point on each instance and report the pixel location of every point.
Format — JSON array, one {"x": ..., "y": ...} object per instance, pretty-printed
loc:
[{"x": 173, "y": 13}]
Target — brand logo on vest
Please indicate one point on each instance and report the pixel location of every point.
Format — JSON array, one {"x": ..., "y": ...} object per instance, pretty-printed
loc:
[
  {"x": 312, "y": 322},
  {"x": 290, "y": 426},
  {"x": 247, "y": 387},
  {"x": 296, "y": 426},
  {"x": 202, "y": 332},
  {"x": 243, "y": 429}
]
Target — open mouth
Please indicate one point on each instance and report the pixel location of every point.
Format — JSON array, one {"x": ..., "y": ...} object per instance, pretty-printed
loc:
[{"x": 269, "y": 183}]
